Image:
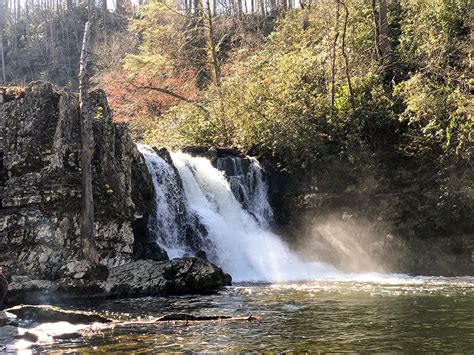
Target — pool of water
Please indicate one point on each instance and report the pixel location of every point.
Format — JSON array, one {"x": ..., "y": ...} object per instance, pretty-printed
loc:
[{"x": 389, "y": 314}]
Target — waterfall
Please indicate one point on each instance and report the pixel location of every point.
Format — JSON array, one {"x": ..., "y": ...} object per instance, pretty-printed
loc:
[
  {"x": 176, "y": 230},
  {"x": 235, "y": 214}
]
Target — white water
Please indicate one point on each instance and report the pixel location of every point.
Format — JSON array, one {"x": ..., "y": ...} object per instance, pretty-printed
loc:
[
  {"x": 251, "y": 186},
  {"x": 245, "y": 248},
  {"x": 167, "y": 207}
]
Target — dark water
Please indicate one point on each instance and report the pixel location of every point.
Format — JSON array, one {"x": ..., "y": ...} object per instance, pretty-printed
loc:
[{"x": 331, "y": 316}]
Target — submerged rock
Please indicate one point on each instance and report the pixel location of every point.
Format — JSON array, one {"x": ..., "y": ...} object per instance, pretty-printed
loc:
[{"x": 47, "y": 314}]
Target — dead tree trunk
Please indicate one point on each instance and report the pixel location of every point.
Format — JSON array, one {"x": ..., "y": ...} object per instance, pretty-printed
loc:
[
  {"x": 4, "y": 79},
  {"x": 216, "y": 71},
  {"x": 383, "y": 27},
  {"x": 375, "y": 16},
  {"x": 89, "y": 248}
]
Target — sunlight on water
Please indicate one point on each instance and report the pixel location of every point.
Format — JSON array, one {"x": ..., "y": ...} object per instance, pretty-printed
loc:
[{"x": 394, "y": 314}]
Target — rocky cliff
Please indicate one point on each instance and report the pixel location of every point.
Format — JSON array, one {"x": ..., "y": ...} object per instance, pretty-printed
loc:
[
  {"x": 386, "y": 221},
  {"x": 41, "y": 188}
]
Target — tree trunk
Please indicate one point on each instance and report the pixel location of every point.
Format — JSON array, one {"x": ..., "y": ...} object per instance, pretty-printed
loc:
[
  {"x": 216, "y": 71},
  {"x": 375, "y": 16},
  {"x": 196, "y": 7},
  {"x": 89, "y": 248},
  {"x": 346, "y": 58},
  {"x": 2, "y": 54},
  {"x": 333, "y": 59},
  {"x": 383, "y": 28}
]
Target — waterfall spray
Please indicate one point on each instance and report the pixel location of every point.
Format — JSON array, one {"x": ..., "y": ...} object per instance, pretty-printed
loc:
[{"x": 238, "y": 235}]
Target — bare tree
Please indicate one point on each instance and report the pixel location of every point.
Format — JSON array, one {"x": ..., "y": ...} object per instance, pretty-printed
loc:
[
  {"x": 216, "y": 68},
  {"x": 89, "y": 248},
  {"x": 379, "y": 15},
  {"x": 375, "y": 17},
  {"x": 2, "y": 25}
]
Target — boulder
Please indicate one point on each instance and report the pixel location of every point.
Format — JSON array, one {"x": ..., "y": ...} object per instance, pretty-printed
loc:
[
  {"x": 174, "y": 277},
  {"x": 134, "y": 279}
]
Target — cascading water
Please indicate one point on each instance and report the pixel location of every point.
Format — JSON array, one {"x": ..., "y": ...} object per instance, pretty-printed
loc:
[
  {"x": 238, "y": 239},
  {"x": 247, "y": 183},
  {"x": 176, "y": 230},
  {"x": 168, "y": 210}
]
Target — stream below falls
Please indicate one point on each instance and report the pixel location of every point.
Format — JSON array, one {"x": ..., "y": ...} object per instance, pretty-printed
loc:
[{"x": 365, "y": 313}]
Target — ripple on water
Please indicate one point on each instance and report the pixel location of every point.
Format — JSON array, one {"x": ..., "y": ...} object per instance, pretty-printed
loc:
[{"x": 388, "y": 314}]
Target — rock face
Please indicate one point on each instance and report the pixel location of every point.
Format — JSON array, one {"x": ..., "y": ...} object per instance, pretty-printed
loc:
[
  {"x": 387, "y": 221},
  {"x": 41, "y": 194}
]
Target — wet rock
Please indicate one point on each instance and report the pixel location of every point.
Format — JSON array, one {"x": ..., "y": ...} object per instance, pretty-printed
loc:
[
  {"x": 3, "y": 289},
  {"x": 82, "y": 269},
  {"x": 47, "y": 314},
  {"x": 6, "y": 318},
  {"x": 201, "y": 254},
  {"x": 174, "y": 277},
  {"x": 8, "y": 333},
  {"x": 135, "y": 279}
]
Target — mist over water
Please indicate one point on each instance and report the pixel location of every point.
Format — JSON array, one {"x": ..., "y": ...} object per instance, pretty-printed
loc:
[{"x": 244, "y": 247}]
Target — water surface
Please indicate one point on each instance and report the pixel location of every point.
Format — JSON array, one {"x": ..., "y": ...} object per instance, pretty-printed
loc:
[{"x": 382, "y": 314}]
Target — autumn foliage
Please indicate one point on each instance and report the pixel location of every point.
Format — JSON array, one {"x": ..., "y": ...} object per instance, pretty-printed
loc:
[{"x": 139, "y": 97}]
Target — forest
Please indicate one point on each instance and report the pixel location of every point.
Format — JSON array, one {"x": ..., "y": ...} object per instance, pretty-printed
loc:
[
  {"x": 236, "y": 175},
  {"x": 370, "y": 85},
  {"x": 362, "y": 81}
]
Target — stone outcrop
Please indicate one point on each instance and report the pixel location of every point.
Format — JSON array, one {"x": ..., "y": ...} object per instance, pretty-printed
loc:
[
  {"x": 134, "y": 279},
  {"x": 174, "y": 277},
  {"x": 40, "y": 191},
  {"x": 386, "y": 222},
  {"x": 41, "y": 197}
]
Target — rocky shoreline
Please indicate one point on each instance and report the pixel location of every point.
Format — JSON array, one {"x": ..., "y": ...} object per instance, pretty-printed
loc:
[{"x": 135, "y": 279}]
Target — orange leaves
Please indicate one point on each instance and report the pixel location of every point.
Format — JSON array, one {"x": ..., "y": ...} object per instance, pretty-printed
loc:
[{"x": 135, "y": 97}]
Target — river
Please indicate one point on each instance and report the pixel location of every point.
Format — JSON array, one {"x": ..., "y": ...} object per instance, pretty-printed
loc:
[{"x": 376, "y": 313}]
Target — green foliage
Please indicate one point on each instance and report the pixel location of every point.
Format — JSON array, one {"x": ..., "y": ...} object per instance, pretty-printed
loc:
[
  {"x": 438, "y": 118},
  {"x": 411, "y": 109}
]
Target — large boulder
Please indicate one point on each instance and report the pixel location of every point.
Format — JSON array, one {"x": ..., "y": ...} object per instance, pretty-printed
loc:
[
  {"x": 174, "y": 277},
  {"x": 134, "y": 279}
]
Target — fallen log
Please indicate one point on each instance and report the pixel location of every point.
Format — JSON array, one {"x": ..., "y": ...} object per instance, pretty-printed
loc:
[{"x": 182, "y": 317}]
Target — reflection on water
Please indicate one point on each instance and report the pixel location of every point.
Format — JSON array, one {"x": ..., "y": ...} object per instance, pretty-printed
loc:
[{"x": 416, "y": 314}]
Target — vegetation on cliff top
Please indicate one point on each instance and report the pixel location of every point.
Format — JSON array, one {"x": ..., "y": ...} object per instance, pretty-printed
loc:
[
  {"x": 318, "y": 87},
  {"x": 372, "y": 86}
]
